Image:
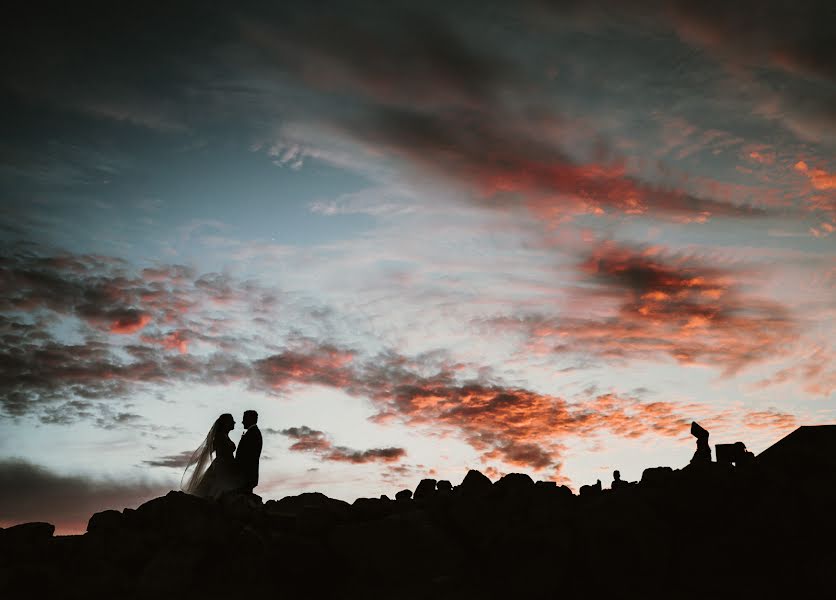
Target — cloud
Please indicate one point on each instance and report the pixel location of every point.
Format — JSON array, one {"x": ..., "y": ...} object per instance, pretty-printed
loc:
[
  {"x": 814, "y": 371},
  {"x": 69, "y": 325},
  {"x": 317, "y": 364},
  {"x": 385, "y": 455},
  {"x": 819, "y": 178},
  {"x": 174, "y": 461},
  {"x": 317, "y": 442},
  {"x": 770, "y": 419},
  {"x": 660, "y": 304},
  {"x": 307, "y": 439},
  {"x": 524, "y": 168},
  {"x": 650, "y": 302},
  {"x": 770, "y": 33},
  {"x": 436, "y": 98},
  {"x": 30, "y": 492}
]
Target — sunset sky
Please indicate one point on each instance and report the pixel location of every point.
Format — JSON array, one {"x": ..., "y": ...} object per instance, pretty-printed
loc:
[{"x": 416, "y": 237}]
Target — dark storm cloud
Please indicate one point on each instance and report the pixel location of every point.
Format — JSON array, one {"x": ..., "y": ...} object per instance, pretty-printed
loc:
[
  {"x": 396, "y": 52},
  {"x": 30, "y": 492},
  {"x": 317, "y": 442},
  {"x": 795, "y": 36}
]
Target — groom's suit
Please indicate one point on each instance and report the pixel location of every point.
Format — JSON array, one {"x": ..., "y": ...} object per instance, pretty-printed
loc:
[{"x": 249, "y": 451}]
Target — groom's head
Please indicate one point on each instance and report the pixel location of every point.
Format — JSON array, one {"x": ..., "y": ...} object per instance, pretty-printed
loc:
[{"x": 250, "y": 419}]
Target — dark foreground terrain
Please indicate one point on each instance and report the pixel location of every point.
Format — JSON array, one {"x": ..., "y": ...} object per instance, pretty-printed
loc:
[{"x": 705, "y": 531}]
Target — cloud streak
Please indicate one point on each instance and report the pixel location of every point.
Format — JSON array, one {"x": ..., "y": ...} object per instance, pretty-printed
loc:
[
  {"x": 316, "y": 442},
  {"x": 655, "y": 303}
]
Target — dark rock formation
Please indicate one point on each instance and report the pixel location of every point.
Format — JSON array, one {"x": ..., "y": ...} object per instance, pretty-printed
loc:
[
  {"x": 475, "y": 484},
  {"x": 425, "y": 489},
  {"x": 404, "y": 495},
  {"x": 711, "y": 530},
  {"x": 703, "y": 452}
]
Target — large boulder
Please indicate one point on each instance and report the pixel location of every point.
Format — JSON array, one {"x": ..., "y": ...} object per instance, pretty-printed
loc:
[
  {"x": 656, "y": 476},
  {"x": 180, "y": 515},
  {"x": 26, "y": 534},
  {"x": 475, "y": 484},
  {"x": 105, "y": 522},
  {"x": 242, "y": 506},
  {"x": 425, "y": 489},
  {"x": 514, "y": 484},
  {"x": 366, "y": 509}
]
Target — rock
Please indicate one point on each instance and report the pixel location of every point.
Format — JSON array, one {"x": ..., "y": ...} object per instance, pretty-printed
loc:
[
  {"x": 27, "y": 533},
  {"x": 656, "y": 476},
  {"x": 403, "y": 495},
  {"x": 371, "y": 508},
  {"x": 514, "y": 483},
  {"x": 105, "y": 522},
  {"x": 475, "y": 484},
  {"x": 591, "y": 490},
  {"x": 180, "y": 515},
  {"x": 243, "y": 506},
  {"x": 425, "y": 489},
  {"x": 296, "y": 504}
]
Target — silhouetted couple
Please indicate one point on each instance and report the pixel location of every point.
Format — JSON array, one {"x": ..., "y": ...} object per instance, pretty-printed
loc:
[{"x": 230, "y": 470}]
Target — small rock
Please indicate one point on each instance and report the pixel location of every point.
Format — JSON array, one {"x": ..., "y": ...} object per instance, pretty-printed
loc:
[{"x": 403, "y": 495}]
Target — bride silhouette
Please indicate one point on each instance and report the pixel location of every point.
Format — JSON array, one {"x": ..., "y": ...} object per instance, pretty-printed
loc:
[{"x": 211, "y": 478}]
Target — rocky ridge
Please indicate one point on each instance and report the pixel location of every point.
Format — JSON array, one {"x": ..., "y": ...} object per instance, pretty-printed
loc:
[{"x": 706, "y": 530}]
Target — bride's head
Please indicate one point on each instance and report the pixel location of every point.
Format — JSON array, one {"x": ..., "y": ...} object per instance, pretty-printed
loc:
[{"x": 224, "y": 423}]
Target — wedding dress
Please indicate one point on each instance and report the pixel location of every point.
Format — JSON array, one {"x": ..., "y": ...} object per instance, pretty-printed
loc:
[{"x": 221, "y": 475}]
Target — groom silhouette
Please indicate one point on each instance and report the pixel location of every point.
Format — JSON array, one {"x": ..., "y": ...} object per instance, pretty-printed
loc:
[{"x": 249, "y": 451}]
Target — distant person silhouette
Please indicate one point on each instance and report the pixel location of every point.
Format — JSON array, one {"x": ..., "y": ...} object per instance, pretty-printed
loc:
[
  {"x": 249, "y": 451},
  {"x": 209, "y": 478},
  {"x": 617, "y": 482}
]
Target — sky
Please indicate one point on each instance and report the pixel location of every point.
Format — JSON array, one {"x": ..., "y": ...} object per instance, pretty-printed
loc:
[{"x": 417, "y": 238}]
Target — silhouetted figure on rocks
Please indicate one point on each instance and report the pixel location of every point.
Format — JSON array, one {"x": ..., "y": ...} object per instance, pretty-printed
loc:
[
  {"x": 617, "y": 482},
  {"x": 212, "y": 469},
  {"x": 249, "y": 451},
  {"x": 703, "y": 453}
]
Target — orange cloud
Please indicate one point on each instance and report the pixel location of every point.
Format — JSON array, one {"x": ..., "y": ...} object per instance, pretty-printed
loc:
[
  {"x": 819, "y": 178},
  {"x": 130, "y": 323},
  {"x": 322, "y": 365},
  {"x": 661, "y": 304},
  {"x": 769, "y": 419}
]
